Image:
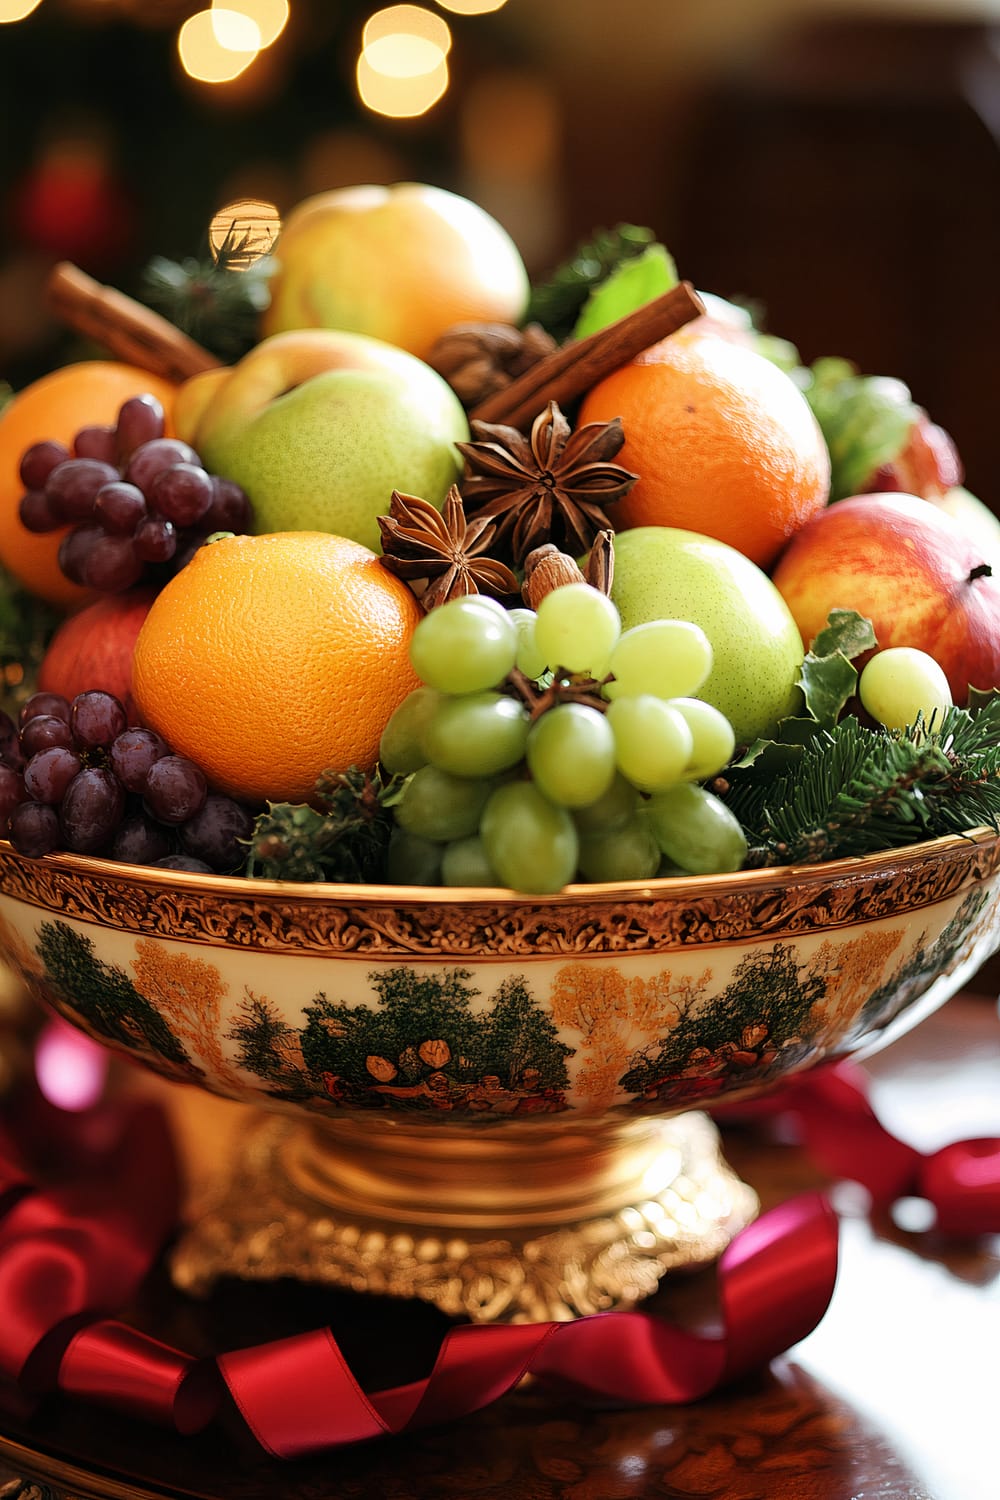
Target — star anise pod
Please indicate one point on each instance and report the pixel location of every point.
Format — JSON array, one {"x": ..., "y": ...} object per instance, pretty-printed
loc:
[
  {"x": 551, "y": 486},
  {"x": 452, "y": 554}
]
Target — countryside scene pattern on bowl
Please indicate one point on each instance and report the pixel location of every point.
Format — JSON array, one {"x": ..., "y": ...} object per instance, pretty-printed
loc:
[{"x": 652, "y": 998}]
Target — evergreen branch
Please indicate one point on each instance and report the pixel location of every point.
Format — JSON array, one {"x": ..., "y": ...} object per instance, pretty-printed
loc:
[
  {"x": 856, "y": 790},
  {"x": 342, "y": 838},
  {"x": 217, "y": 299}
]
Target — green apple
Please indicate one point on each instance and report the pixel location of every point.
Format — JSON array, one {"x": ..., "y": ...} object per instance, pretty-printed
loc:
[
  {"x": 319, "y": 427},
  {"x": 401, "y": 263},
  {"x": 663, "y": 573}
]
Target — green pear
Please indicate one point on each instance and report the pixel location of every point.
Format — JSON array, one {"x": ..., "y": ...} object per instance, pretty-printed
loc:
[
  {"x": 664, "y": 573},
  {"x": 320, "y": 426}
]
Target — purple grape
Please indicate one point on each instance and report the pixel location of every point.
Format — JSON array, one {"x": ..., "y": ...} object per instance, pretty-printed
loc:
[
  {"x": 35, "y": 513},
  {"x": 112, "y": 565},
  {"x": 140, "y": 420},
  {"x": 184, "y": 862},
  {"x": 182, "y": 493},
  {"x": 176, "y": 789},
  {"x": 92, "y": 810},
  {"x": 72, "y": 487},
  {"x": 133, "y": 754},
  {"x": 34, "y": 829},
  {"x": 38, "y": 461},
  {"x": 42, "y": 732},
  {"x": 49, "y": 773},
  {"x": 10, "y": 742},
  {"x": 11, "y": 792},
  {"x": 53, "y": 704},
  {"x": 230, "y": 509},
  {"x": 140, "y": 841},
  {"x": 155, "y": 540},
  {"x": 97, "y": 719},
  {"x": 75, "y": 548},
  {"x": 152, "y": 458},
  {"x": 96, "y": 442},
  {"x": 218, "y": 834},
  {"x": 119, "y": 507}
]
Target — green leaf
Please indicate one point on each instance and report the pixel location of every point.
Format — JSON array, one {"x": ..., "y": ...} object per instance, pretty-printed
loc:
[
  {"x": 767, "y": 758},
  {"x": 556, "y": 300},
  {"x": 982, "y": 698},
  {"x": 828, "y": 679},
  {"x": 827, "y": 682},
  {"x": 631, "y": 284},
  {"x": 847, "y": 632},
  {"x": 865, "y": 420}
]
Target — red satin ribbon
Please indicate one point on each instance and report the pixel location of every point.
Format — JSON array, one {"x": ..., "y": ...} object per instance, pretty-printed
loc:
[
  {"x": 844, "y": 1136},
  {"x": 76, "y": 1249}
]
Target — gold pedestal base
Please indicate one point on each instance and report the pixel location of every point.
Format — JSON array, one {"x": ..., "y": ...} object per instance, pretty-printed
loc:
[{"x": 521, "y": 1223}]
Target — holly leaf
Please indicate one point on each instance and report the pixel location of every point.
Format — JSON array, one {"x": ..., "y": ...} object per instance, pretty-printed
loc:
[
  {"x": 631, "y": 284},
  {"x": 767, "y": 758},
  {"x": 828, "y": 678},
  {"x": 982, "y": 698},
  {"x": 847, "y": 632}
]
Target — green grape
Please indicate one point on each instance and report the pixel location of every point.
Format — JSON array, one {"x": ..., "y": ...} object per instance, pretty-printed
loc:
[
  {"x": 478, "y": 734},
  {"x": 713, "y": 740},
  {"x": 531, "y": 843},
  {"x": 610, "y": 811},
  {"x": 668, "y": 658},
  {"x": 576, "y": 627},
  {"x": 464, "y": 862},
  {"x": 901, "y": 682},
  {"x": 628, "y": 853},
  {"x": 652, "y": 741},
  {"x": 464, "y": 646},
  {"x": 401, "y": 749},
  {"x": 696, "y": 831},
  {"x": 439, "y": 806},
  {"x": 571, "y": 754},
  {"x": 529, "y": 659},
  {"x": 411, "y": 860}
]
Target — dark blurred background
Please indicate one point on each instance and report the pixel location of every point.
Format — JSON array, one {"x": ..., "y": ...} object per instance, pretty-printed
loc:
[{"x": 837, "y": 163}]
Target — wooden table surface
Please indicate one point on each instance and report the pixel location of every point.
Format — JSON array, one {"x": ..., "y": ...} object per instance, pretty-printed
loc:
[{"x": 894, "y": 1395}]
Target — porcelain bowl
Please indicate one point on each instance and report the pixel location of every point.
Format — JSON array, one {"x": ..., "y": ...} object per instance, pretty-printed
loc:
[{"x": 483, "y": 1006}]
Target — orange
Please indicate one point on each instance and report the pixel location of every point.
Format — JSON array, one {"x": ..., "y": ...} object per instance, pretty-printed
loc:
[
  {"x": 56, "y": 406},
  {"x": 724, "y": 443},
  {"x": 271, "y": 659}
]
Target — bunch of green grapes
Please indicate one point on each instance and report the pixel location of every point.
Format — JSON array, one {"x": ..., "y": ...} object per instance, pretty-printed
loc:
[{"x": 597, "y": 780}]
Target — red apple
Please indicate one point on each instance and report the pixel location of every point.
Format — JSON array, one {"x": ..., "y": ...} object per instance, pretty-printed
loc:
[
  {"x": 94, "y": 648},
  {"x": 912, "y": 570}
]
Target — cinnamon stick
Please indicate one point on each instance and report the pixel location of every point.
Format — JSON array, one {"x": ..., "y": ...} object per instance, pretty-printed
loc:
[
  {"x": 574, "y": 367},
  {"x": 125, "y": 328}
]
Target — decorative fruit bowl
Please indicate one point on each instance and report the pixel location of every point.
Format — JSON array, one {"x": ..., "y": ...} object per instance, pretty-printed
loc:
[
  {"x": 481, "y": 1098},
  {"x": 410, "y": 640}
]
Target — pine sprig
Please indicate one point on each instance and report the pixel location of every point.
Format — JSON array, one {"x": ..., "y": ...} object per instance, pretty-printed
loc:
[
  {"x": 216, "y": 299},
  {"x": 855, "y": 790},
  {"x": 556, "y": 301},
  {"x": 343, "y": 837}
]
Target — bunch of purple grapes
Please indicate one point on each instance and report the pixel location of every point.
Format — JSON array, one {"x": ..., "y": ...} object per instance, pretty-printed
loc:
[
  {"x": 139, "y": 504},
  {"x": 76, "y": 776}
]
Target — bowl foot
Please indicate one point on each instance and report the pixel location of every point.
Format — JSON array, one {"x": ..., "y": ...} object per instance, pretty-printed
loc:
[{"x": 516, "y": 1225}]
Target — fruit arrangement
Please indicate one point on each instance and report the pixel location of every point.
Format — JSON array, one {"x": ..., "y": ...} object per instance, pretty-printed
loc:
[{"x": 465, "y": 581}]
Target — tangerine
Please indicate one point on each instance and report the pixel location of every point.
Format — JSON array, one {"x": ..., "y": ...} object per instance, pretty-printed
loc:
[
  {"x": 724, "y": 443},
  {"x": 271, "y": 659},
  {"x": 56, "y": 406}
]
